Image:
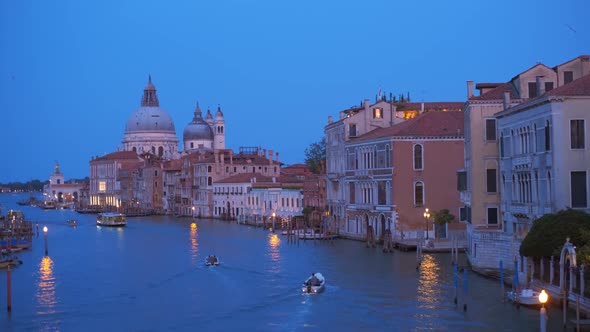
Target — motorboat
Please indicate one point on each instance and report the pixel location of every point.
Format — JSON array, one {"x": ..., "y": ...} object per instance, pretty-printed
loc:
[
  {"x": 309, "y": 287},
  {"x": 111, "y": 219},
  {"x": 72, "y": 223},
  {"x": 525, "y": 296},
  {"x": 212, "y": 260}
]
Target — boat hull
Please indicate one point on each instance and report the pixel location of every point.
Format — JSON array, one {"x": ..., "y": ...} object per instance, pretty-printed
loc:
[{"x": 525, "y": 297}]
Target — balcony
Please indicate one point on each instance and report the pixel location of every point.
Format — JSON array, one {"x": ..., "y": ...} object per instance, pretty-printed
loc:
[
  {"x": 363, "y": 206},
  {"x": 520, "y": 208},
  {"x": 524, "y": 162},
  {"x": 362, "y": 173}
]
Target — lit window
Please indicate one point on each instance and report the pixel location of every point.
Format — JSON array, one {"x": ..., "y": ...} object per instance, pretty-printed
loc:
[
  {"x": 102, "y": 186},
  {"x": 377, "y": 113}
]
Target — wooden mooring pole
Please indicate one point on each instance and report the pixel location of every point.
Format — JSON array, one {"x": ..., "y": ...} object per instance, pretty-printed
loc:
[{"x": 8, "y": 290}]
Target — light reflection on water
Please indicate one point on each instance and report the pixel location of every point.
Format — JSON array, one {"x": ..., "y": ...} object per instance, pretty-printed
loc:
[
  {"x": 194, "y": 244},
  {"x": 274, "y": 242},
  {"x": 46, "y": 294}
]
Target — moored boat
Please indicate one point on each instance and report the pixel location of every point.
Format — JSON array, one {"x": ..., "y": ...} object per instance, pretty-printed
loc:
[
  {"x": 525, "y": 296},
  {"x": 314, "y": 285},
  {"x": 9, "y": 261},
  {"x": 111, "y": 219}
]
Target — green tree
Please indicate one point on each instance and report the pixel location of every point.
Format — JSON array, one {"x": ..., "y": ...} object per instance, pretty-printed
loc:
[
  {"x": 548, "y": 234},
  {"x": 443, "y": 217},
  {"x": 315, "y": 156}
]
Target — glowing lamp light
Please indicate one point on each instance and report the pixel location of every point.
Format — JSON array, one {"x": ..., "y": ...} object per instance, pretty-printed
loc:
[
  {"x": 194, "y": 226},
  {"x": 44, "y": 229},
  {"x": 273, "y": 214},
  {"x": 543, "y": 297}
]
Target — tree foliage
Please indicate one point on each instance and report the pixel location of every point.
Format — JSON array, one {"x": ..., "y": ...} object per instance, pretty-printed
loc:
[
  {"x": 548, "y": 234},
  {"x": 443, "y": 217},
  {"x": 33, "y": 185},
  {"x": 315, "y": 156}
]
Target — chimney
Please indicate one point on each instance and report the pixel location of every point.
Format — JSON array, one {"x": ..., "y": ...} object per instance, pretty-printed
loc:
[
  {"x": 231, "y": 157},
  {"x": 270, "y": 153},
  {"x": 341, "y": 115},
  {"x": 277, "y": 157},
  {"x": 540, "y": 85},
  {"x": 469, "y": 89},
  {"x": 366, "y": 104},
  {"x": 506, "y": 100},
  {"x": 422, "y": 108},
  {"x": 329, "y": 119}
]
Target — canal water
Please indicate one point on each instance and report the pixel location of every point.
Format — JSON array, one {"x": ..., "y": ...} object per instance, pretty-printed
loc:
[{"x": 150, "y": 276}]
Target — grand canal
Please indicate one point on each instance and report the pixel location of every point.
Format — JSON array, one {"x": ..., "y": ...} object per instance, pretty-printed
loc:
[{"x": 150, "y": 276}]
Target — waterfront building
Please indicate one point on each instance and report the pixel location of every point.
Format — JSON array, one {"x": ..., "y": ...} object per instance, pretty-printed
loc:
[
  {"x": 517, "y": 152},
  {"x": 105, "y": 184},
  {"x": 148, "y": 188},
  {"x": 282, "y": 196},
  {"x": 353, "y": 122},
  {"x": 394, "y": 173},
  {"x": 57, "y": 191},
  {"x": 171, "y": 180},
  {"x": 150, "y": 128}
]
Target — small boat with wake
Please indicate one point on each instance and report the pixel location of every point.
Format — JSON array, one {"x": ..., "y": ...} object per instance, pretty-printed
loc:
[
  {"x": 527, "y": 297},
  {"x": 314, "y": 284},
  {"x": 211, "y": 260},
  {"x": 72, "y": 223}
]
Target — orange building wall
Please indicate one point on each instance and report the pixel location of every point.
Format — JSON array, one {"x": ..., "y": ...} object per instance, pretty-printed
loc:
[{"x": 441, "y": 161}]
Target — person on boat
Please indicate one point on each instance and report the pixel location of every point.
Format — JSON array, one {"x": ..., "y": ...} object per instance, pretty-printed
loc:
[{"x": 314, "y": 281}]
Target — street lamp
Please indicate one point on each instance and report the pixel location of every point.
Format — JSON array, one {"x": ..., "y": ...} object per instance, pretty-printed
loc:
[
  {"x": 543, "y": 299},
  {"x": 45, "y": 235},
  {"x": 426, "y": 218},
  {"x": 273, "y": 221},
  {"x": 193, "y": 212}
]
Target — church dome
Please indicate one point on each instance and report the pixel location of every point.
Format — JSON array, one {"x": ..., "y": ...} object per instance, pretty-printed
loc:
[
  {"x": 198, "y": 129},
  {"x": 150, "y": 117}
]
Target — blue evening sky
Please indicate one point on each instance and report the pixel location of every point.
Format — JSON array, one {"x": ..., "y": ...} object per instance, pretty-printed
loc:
[{"x": 72, "y": 72}]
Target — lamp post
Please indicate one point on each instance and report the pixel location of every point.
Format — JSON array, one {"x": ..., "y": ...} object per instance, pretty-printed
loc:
[
  {"x": 45, "y": 235},
  {"x": 193, "y": 212},
  {"x": 273, "y": 221},
  {"x": 543, "y": 298},
  {"x": 426, "y": 218}
]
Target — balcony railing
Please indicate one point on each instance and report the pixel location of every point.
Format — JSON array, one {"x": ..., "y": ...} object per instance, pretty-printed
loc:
[
  {"x": 465, "y": 197},
  {"x": 522, "y": 162}
]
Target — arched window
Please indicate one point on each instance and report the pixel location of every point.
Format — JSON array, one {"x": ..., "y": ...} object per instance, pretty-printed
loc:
[
  {"x": 419, "y": 193},
  {"x": 135, "y": 149},
  {"x": 547, "y": 136},
  {"x": 387, "y": 156},
  {"x": 153, "y": 150},
  {"x": 160, "y": 151},
  {"x": 210, "y": 181},
  {"x": 418, "y": 157}
]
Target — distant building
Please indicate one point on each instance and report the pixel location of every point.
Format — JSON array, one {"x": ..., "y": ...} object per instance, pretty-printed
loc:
[{"x": 57, "y": 191}]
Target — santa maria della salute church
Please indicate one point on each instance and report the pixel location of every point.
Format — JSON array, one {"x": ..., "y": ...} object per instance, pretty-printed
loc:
[
  {"x": 151, "y": 129},
  {"x": 150, "y": 175}
]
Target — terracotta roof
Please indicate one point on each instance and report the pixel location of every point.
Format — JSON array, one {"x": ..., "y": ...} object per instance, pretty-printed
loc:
[
  {"x": 173, "y": 165},
  {"x": 498, "y": 93},
  {"x": 487, "y": 85},
  {"x": 579, "y": 87},
  {"x": 439, "y": 105},
  {"x": 428, "y": 124},
  {"x": 119, "y": 156}
]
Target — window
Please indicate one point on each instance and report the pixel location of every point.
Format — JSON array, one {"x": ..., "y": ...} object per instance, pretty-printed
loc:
[
  {"x": 548, "y": 86},
  {"x": 377, "y": 113},
  {"x": 532, "y": 89},
  {"x": 351, "y": 191},
  {"x": 192, "y": 145},
  {"x": 418, "y": 157},
  {"x": 209, "y": 168},
  {"x": 210, "y": 181},
  {"x": 102, "y": 186},
  {"x": 461, "y": 181},
  {"x": 490, "y": 129},
  {"x": 568, "y": 76},
  {"x": 502, "y": 146},
  {"x": 352, "y": 130},
  {"x": 491, "y": 181},
  {"x": 418, "y": 194},
  {"x": 578, "y": 190},
  {"x": 381, "y": 193},
  {"x": 547, "y": 137},
  {"x": 492, "y": 216},
  {"x": 577, "y": 134},
  {"x": 462, "y": 213}
]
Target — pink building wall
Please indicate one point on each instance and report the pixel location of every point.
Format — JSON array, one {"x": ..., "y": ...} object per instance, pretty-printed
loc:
[{"x": 441, "y": 161}]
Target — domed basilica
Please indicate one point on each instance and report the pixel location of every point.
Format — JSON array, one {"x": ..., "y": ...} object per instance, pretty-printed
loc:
[{"x": 151, "y": 129}]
